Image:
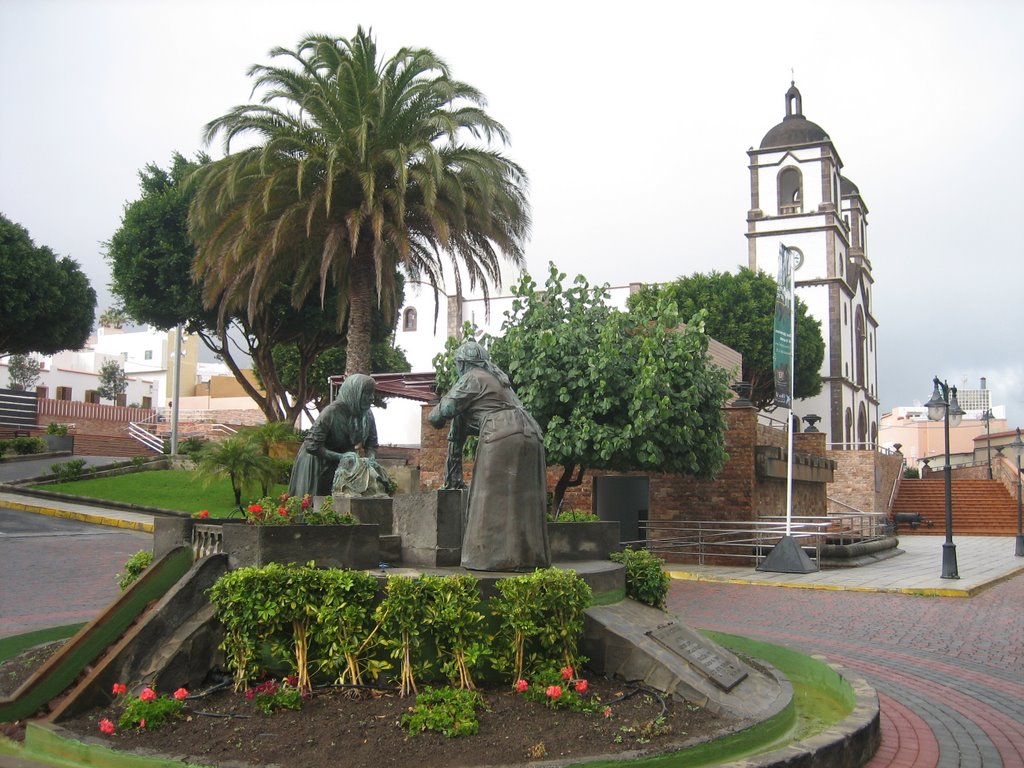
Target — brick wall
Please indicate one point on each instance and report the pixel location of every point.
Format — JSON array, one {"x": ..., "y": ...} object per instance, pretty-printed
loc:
[{"x": 864, "y": 479}]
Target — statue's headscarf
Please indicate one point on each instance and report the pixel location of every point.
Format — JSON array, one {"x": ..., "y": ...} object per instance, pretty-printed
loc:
[
  {"x": 357, "y": 421},
  {"x": 473, "y": 354}
]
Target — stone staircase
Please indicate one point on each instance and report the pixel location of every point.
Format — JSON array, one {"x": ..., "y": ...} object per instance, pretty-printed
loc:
[
  {"x": 980, "y": 508},
  {"x": 110, "y": 445}
]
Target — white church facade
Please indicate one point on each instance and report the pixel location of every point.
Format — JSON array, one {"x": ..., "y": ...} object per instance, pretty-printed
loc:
[{"x": 799, "y": 198}]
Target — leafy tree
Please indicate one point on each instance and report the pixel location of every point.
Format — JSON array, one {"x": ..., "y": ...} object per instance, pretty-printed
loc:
[
  {"x": 739, "y": 312},
  {"x": 23, "y": 372},
  {"x": 613, "y": 390},
  {"x": 46, "y": 303},
  {"x": 359, "y": 165},
  {"x": 113, "y": 381}
]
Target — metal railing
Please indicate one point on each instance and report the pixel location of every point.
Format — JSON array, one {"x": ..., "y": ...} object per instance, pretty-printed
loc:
[
  {"x": 753, "y": 539},
  {"x": 144, "y": 436}
]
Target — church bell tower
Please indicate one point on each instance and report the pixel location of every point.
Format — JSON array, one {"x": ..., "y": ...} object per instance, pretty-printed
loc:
[{"x": 799, "y": 197}]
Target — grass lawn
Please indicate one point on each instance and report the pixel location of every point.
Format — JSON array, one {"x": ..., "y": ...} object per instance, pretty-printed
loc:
[{"x": 175, "y": 489}]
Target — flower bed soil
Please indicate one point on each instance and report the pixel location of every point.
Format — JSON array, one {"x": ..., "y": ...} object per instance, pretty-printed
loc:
[{"x": 350, "y": 729}]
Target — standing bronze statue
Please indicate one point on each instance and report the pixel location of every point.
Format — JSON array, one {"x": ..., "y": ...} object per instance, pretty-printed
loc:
[
  {"x": 506, "y": 525},
  {"x": 344, "y": 426}
]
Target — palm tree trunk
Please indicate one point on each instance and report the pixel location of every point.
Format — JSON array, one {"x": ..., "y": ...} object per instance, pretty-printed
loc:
[{"x": 360, "y": 312}]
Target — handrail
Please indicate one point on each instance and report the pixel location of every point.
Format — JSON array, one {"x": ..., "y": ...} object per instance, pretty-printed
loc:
[
  {"x": 144, "y": 436},
  {"x": 896, "y": 485}
]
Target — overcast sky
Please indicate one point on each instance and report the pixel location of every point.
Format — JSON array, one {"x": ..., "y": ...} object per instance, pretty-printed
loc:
[{"x": 633, "y": 125}]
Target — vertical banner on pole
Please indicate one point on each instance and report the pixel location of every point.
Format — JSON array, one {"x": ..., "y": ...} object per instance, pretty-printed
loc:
[{"x": 782, "y": 352}]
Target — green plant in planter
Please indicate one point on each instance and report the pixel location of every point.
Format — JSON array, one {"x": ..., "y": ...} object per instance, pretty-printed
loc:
[
  {"x": 4, "y": 444},
  {"x": 69, "y": 470},
  {"x": 646, "y": 580},
  {"x": 574, "y": 516},
  {"x": 24, "y": 446},
  {"x": 452, "y": 618},
  {"x": 347, "y": 630},
  {"x": 133, "y": 568},
  {"x": 53, "y": 428}
]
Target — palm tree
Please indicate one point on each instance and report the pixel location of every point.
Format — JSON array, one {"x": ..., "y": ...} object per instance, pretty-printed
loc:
[
  {"x": 238, "y": 458},
  {"x": 359, "y": 166}
]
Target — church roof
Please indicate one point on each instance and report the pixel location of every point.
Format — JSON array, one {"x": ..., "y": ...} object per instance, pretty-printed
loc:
[
  {"x": 794, "y": 128},
  {"x": 847, "y": 187}
]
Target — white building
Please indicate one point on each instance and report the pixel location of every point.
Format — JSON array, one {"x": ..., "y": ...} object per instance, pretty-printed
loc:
[{"x": 799, "y": 198}]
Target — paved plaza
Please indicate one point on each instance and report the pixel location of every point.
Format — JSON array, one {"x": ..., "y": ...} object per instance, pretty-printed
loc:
[{"x": 946, "y": 657}]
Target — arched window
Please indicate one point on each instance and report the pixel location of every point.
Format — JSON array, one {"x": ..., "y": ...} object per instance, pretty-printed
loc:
[
  {"x": 409, "y": 319},
  {"x": 849, "y": 427},
  {"x": 860, "y": 340},
  {"x": 791, "y": 199},
  {"x": 862, "y": 427}
]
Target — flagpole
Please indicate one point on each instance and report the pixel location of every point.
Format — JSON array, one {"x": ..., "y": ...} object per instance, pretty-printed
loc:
[{"x": 789, "y": 421}]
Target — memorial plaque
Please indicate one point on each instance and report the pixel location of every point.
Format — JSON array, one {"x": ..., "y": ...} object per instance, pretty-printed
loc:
[{"x": 725, "y": 671}]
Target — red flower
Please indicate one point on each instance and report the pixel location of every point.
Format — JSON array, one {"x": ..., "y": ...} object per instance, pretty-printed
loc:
[
  {"x": 567, "y": 673},
  {"x": 307, "y": 502},
  {"x": 291, "y": 680},
  {"x": 107, "y": 727},
  {"x": 250, "y": 693},
  {"x": 142, "y": 723},
  {"x": 256, "y": 509},
  {"x": 120, "y": 688},
  {"x": 181, "y": 694},
  {"x": 554, "y": 691},
  {"x": 148, "y": 694},
  {"x": 607, "y": 712},
  {"x": 203, "y": 514},
  {"x": 282, "y": 512},
  {"x": 581, "y": 686},
  {"x": 521, "y": 686}
]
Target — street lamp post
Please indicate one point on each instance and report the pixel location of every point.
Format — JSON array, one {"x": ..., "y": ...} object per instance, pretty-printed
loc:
[
  {"x": 987, "y": 418},
  {"x": 1018, "y": 447},
  {"x": 943, "y": 405}
]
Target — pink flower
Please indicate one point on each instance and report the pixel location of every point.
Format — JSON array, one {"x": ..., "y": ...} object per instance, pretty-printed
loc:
[
  {"x": 567, "y": 673},
  {"x": 107, "y": 727},
  {"x": 181, "y": 694},
  {"x": 554, "y": 691},
  {"x": 283, "y": 497},
  {"x": 142, "y": 723},
  {"x": 120, "y": 688},
  {"x": 607, "y": 712},
  {"x": 291, "y": 680},
  {"x": 148, "y": 694},
  {"x": 307, "y": 502},
  {"x": 581, "y": 686},
  {"x": 250, "y": 693},
  {"x": 521, "y": 686},
  {"x": 203, "y": 514}
]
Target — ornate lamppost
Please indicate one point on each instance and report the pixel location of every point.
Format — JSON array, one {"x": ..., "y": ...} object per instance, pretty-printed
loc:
[
  {"x": 987, "y": 418},
  {"x": 944, "y": 406},
  {"x": 1018, "y": 448}
]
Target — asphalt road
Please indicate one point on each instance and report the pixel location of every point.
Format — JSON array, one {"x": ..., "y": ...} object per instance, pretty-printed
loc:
[{"x": 55, "y": 571}]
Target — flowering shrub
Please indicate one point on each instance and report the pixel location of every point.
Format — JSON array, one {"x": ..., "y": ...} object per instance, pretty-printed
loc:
[
  {"x": 270, "y": 510},
  {"x": 560, "y": 690},
  {"x": 269, "y": 696},
  {"x": 147, "y": 710},
  {"x": 202, "y": 514}
]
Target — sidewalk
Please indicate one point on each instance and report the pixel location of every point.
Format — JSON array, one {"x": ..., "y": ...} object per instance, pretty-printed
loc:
[
  {"x": 981, "y": 561},
  {"x": 86, "y": 513}
]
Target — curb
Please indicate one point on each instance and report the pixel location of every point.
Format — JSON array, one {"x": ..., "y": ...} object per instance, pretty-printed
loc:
[
  {"x": 83, "y": 517},
  {"x": 916, "y": 591}
]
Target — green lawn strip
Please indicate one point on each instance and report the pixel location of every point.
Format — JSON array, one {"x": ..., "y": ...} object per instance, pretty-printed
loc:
[
  {"x": 175, "y": 489},
  {"x": 18, "y": 644}
]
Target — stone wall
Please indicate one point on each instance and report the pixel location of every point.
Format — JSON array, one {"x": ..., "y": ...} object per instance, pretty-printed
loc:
[{"x": 864, "y": 480}]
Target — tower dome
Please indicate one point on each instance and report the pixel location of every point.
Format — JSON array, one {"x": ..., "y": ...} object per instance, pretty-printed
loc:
[{"x": 794, "y": 128}]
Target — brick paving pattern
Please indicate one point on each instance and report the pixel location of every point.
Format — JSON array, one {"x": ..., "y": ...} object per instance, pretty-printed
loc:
[{"x": 949, "y": 671}]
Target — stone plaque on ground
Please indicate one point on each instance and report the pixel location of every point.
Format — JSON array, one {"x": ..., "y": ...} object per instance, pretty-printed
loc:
[{"x": 717, "y": 665}]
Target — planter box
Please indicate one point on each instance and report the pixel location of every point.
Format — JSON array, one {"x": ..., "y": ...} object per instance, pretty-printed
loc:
[
  {"x": 583, "y": 541},
  {"x": 329, "y": 546},
  {"x": 57, "y": 443}
]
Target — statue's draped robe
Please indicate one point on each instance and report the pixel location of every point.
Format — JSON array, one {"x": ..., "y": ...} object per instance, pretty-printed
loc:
[{"x": 506, "y": 524}]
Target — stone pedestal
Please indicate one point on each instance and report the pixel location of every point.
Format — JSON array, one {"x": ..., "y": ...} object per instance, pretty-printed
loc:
[
  {"x": 430, "y": 525},
  {"x": 371, "y": 511}
]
